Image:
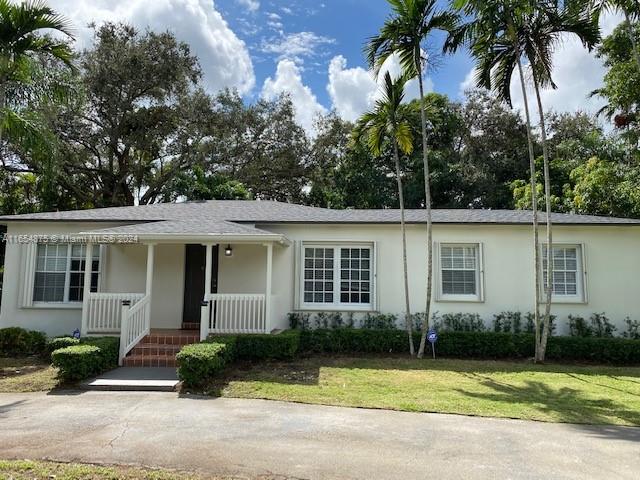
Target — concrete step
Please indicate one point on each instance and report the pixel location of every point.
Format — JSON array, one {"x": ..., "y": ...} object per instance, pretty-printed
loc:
[{"x": 135, "y": 379}]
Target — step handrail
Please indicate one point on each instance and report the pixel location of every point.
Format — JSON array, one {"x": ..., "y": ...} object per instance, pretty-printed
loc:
[{"x": 136, "y": 324}]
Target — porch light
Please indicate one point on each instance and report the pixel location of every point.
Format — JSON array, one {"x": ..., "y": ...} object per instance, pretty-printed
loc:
[{"x": 228, "y": 251}]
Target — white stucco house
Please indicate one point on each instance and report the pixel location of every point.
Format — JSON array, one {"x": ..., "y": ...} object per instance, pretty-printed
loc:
[{"x": 241, "y": 266}]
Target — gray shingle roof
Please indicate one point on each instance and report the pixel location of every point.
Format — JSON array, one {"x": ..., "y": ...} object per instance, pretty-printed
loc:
[
  {"x": 183, "y": 227},
  {"x": 217, "y": 214}
]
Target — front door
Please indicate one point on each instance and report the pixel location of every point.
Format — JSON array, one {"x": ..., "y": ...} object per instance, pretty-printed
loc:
[{"x": 194, "y": 273}]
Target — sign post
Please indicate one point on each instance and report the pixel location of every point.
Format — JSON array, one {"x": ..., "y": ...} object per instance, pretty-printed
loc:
[{"x": 432, "y": 336}]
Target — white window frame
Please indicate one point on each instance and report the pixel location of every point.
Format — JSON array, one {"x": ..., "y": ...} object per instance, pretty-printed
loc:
[
  {"x": 581, "y": 275},
  {"x": 337, "y": 305},
  {"x": 478, "y": 297},
  {"x": 67, "y": 280}
]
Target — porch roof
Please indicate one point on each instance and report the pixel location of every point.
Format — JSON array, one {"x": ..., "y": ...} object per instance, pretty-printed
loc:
[{"x": 190, "y": 229}]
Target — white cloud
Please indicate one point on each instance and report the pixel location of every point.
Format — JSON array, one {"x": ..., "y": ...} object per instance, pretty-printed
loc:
[
  {"x": 251, "y": 5},
  {"x": 296, "y": 46},
  {"x": 289, "y": 80},
  {"x": 223, "y": 56},
  {"x": 353, "y": 91},
  {"x": 576, "y": 72}
]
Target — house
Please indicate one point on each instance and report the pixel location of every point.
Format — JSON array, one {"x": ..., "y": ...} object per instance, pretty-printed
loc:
[{"x": 182, "y": 271}]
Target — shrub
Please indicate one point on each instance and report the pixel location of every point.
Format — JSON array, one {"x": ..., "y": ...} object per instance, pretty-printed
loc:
[
  {"x": 459, "y": 322},
  {"x": 594, "y": 349},
  {"x": 351, "y": 340},
  {"x": 508, "y": 322},
  {"x": 60, "y": 342},
  {"x": 530, "y": 326},
  {"x": 601, "y": 326},
  {"x": 199, "y": 362},
  {"x": 284, "y": 345},
  {"x": 299, "y": 320},
  {"x": 379, "y": 321},
  {"x": 633, "y": 329},
  {"x": 90, "y": 357},
  {"x": 598, "y": 326},
  {"x": 485, "y": 345},
  {"x": 16, "y": 341}
]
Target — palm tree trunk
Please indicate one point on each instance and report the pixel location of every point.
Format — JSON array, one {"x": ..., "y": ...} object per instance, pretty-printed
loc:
[
  {"x": 407, "y": 314},
  {"x": 427, "y": 199},
  {"x": 2, "y": 104},
  {"x": 534, "y": 206},
  {"x": 542, "y": 346}
]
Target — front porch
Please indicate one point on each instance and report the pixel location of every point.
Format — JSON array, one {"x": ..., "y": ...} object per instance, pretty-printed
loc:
[{"x": 139, "y": 317}]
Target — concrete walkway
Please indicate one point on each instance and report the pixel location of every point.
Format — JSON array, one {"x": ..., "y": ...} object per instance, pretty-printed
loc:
[{"x": 252, "y": 437}]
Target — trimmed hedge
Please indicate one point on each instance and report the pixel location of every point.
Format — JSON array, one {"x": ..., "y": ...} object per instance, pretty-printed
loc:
[
  {"x": 198, "y": 362},
  {"x": 282, "y": 346},
  {"x": 480, "y": 345},
  {"x": 16, "y": 341},
  {"x": 90, "y": 357},
  {"x": 57, "y": 343}
]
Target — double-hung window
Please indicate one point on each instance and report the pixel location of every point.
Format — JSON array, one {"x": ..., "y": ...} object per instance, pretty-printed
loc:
[
  {"x": 568, "y": 273},
  {"x": 337, "y": 276},
  {"x": 460, "y": 272},
  {"x": 59, "y": 273}
]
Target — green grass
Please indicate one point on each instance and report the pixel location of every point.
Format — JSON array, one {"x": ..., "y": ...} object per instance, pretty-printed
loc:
[
  {"x": 40, "y": 470},
  {"x": 29, "y": 374},
  {"x": 549, "y": 393}
]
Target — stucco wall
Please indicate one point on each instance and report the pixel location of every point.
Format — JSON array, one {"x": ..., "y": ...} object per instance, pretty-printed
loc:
[
  {"x": 123, "y": 270},
  {"x": 612, "y": 266}
]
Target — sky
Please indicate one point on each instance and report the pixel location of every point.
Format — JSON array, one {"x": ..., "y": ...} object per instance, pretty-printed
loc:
[{"x": 312, "y": 50}]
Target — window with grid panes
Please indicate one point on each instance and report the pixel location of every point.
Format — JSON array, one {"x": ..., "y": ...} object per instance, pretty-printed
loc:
[
  {"x": 459, "y": 271},
  {"x": 337, "y": 276},
  {"x": 59, "y": 274},
  {"x": 567, "y": 270}
]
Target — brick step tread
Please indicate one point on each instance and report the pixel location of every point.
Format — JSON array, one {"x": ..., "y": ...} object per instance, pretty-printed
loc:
[
  {"x": 150, "y": 361},
  {"x": 155, "y": 349},
  {"x": 170, "y": 339},
  {"x": 191, "y": 326}
]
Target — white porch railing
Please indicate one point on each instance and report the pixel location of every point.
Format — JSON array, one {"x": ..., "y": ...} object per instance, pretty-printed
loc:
[
  {"x": 136, "y": 323},
  {"x": 104, "y": 309},
  {"x": 233, "y": 313}
]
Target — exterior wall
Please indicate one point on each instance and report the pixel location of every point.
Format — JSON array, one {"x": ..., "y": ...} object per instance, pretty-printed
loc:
[
  {"x": 123, "y": 269},
  {"x": 612, "y": 267}
]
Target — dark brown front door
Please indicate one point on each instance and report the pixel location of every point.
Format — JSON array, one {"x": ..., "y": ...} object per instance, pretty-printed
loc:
[{"x": 194, "y": 273}]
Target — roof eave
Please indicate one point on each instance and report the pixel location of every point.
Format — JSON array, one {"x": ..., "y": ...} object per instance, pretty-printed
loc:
[{"x": 103, "y": 237}]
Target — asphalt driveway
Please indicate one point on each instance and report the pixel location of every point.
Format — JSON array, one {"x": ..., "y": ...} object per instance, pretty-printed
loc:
[{"x": 252, "y": 437}]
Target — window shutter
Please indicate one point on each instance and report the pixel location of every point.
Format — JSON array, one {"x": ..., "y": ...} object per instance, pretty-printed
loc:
[
  {"x": 297, "y": 269},
  {"x": 29, "y": 251},
  {"x": 436, "y": 287}
]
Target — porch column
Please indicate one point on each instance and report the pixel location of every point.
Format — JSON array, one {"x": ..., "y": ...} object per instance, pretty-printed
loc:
[
  {"x": 88, "y": 262},
  {"x": 208, "y": 266},
  {"x": 150, "y": 262},
  {"x": 267, "y": 290},
  {"x": 151, "y": 250}
]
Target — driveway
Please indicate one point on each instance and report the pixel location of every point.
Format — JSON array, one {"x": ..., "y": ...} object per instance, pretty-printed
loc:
[{"x": 252, "y": 437}]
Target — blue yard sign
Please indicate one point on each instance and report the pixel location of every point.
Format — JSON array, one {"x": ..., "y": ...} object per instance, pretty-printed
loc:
[{"x": 432, "y": 336}]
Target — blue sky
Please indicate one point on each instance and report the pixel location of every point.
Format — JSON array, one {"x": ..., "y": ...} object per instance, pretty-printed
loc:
[
  {"x": 312, "y": 51},
  {"x": 344, "y": 24}
]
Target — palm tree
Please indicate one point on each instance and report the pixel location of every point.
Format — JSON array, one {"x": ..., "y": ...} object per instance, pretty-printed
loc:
[
  {"x": 491, "y": 36},
  {"x": 389, "y": 122},
  {"x": 539, "y": 34},
  {"x": 21, "y": 41},
  {"x": 403, "y": 34},
  {"x": 500, "y": 36}
]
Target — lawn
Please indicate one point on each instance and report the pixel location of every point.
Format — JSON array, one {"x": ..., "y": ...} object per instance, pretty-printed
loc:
[
  {"x": 549, "y": 393},
  {"x": 29, "y": 374},
  {"x": 31, "y": 470}
]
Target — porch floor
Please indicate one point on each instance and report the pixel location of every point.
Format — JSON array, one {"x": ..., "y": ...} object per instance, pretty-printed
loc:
[{"x": 135, "y": 379}]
